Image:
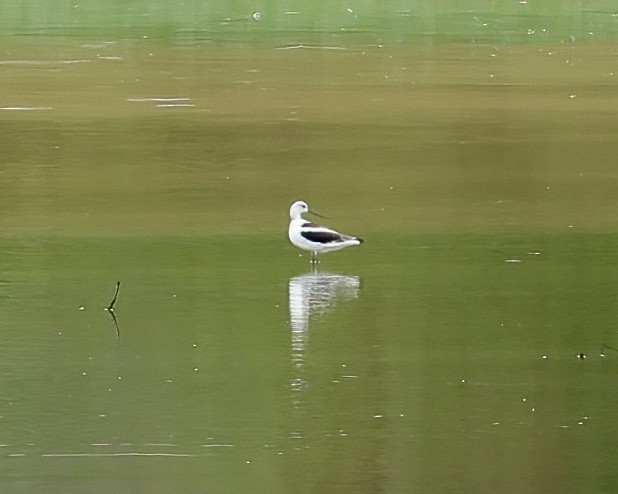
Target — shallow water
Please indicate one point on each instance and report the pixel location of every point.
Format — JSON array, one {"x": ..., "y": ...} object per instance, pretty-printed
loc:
[
  {"x": 468, "y": 345},
  {"x": 230, "y": 369}
]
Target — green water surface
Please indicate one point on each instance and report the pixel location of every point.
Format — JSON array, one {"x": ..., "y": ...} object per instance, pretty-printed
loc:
[{"x": 469, "y": 345}]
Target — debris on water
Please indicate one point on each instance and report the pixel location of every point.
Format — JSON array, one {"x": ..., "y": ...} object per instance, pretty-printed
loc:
[
  {"x": 110, "y": 307},
  {"x": 544, "y": 357},
  {"x": 604, "y": 347}
]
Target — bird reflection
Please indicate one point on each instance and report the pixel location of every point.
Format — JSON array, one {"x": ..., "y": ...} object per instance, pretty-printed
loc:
[{"x": 312, "y": 294}]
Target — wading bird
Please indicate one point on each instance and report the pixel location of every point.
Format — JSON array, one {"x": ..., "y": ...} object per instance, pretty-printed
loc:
[{"x": 315, "y": 238}]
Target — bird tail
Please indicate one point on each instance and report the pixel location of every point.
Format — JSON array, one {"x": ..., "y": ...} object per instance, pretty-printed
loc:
[{"x": 358, "y": 239}]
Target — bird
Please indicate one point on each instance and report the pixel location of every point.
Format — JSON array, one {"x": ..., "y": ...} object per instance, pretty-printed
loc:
[{"x": 315, "y": 238}]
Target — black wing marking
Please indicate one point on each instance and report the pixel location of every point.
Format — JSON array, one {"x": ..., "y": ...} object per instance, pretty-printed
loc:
[{"x": 322, "y": 237}]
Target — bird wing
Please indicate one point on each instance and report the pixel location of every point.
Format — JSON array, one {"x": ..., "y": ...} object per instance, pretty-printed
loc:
[
  {"x": 322, "y": 237},
  {"x": 321, "y": 234}
]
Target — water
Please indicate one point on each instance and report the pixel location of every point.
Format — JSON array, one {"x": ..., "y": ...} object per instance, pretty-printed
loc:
[{"x": 469, "y": 345}]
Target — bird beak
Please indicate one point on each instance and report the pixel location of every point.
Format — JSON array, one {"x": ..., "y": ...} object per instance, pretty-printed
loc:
[{"x": 317, "y": 214}]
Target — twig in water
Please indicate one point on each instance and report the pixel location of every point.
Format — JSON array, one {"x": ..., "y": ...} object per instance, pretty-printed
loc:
[{"x": 110, "y": 307}]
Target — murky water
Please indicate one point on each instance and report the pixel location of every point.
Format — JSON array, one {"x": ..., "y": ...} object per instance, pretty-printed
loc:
[{"x": 469, "y": 345}]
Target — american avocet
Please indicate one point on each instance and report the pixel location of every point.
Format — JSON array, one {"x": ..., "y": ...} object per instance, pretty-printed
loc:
[{"x": 314, "y": 238}]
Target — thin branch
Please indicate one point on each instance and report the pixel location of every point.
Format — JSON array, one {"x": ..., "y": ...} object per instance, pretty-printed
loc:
[{"x": 110, "y": 307}]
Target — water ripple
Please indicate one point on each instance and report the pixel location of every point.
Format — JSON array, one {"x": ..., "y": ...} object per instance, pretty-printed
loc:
[
  {"x": 43, "y": 62},
  {"x": 26, "y": 108}
]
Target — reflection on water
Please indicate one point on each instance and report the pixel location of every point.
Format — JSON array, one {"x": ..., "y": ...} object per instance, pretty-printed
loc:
[{"x": 311, "y": 295}]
